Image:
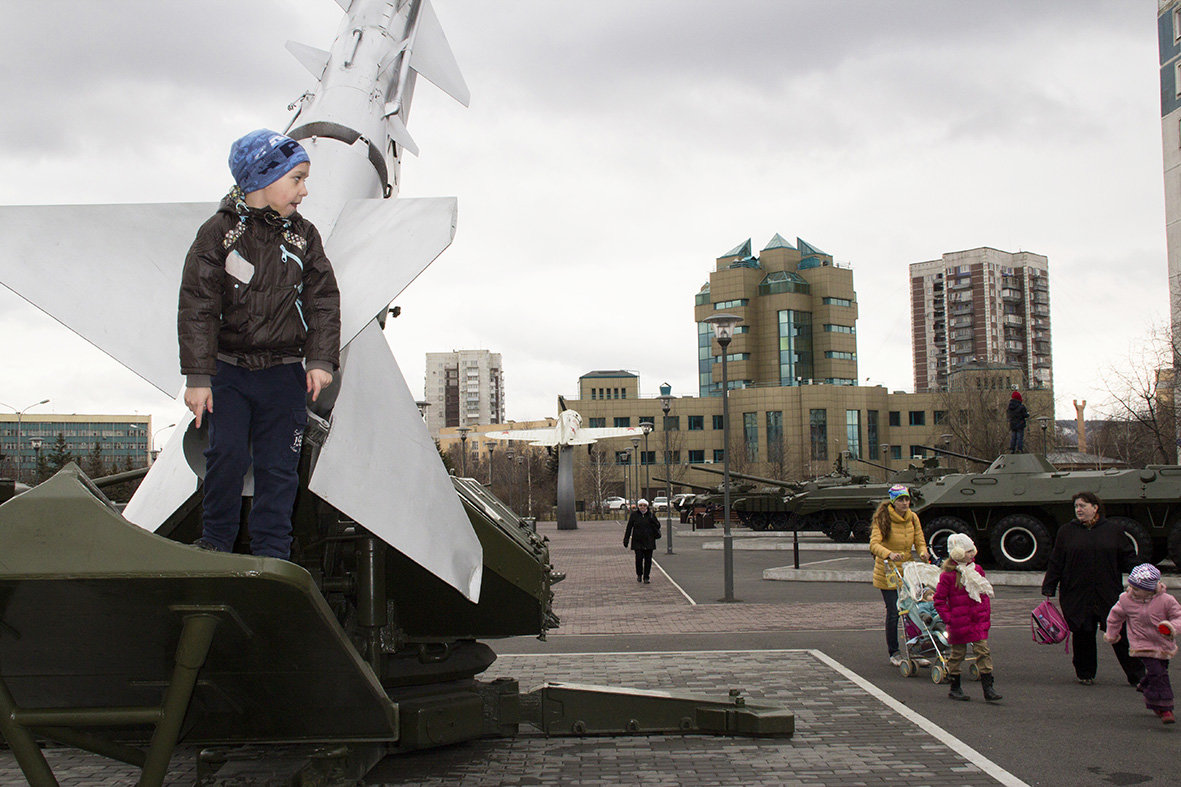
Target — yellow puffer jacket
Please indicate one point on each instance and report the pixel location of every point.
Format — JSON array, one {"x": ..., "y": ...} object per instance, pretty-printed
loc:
[{"x": 905, "y": 534}]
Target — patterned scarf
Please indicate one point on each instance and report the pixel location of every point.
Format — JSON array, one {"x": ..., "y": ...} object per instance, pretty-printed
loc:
[{"x": 245, "y": 212}]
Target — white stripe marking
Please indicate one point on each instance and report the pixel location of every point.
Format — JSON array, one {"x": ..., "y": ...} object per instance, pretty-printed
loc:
[{"x": 674, "y": 583}]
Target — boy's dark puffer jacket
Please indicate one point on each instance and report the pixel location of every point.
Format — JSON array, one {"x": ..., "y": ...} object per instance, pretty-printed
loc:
[{"x": 289, "y": 309}]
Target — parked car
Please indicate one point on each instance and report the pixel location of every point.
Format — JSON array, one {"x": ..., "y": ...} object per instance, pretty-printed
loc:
[
  {"x": 614, "y": 503},
  {"x": 680, "y": 500},
  {"x": 659, "y": 503}
]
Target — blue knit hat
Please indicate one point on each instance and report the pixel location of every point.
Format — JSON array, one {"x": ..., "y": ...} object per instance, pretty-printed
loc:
[
  {"x": 262, "y": 157},
  {"x": 898, "y": 490},
  {"x": 1144, "y": 576}
]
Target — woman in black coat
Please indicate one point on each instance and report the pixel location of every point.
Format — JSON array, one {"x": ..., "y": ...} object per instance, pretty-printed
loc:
[
  {"x": 643, "y": 528},
  {"x": 1086, "y": 568}
]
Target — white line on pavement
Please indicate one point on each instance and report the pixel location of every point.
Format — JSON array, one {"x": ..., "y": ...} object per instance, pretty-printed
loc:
[{"x": 674, "y": 583}]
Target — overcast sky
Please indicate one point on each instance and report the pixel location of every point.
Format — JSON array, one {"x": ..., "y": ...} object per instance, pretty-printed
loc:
[{"x": 614, "y": 149}]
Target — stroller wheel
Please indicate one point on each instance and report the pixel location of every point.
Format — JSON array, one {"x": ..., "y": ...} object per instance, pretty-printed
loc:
[
  {"x": 938, "y": 673},
  {"x": 973, "y": 671},
  {"x": 908, "y": 668}
]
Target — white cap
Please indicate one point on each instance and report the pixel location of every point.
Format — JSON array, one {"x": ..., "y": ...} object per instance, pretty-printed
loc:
[
  {"x": 959, "y": 545},
  {"x": 641, "y": 502}
]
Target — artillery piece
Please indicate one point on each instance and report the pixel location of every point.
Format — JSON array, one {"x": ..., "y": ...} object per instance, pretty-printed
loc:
[{"x": 1013, "y": 509}]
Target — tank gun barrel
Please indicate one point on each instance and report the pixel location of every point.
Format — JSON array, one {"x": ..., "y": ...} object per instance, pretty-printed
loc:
[
  {"x": 697, "y": 487},
  {"x": 976, "y": 459},
  {"x": 748, "y": 477},
  {"x": 117, "y": 478},
  {"x": 872, "y": 464}
]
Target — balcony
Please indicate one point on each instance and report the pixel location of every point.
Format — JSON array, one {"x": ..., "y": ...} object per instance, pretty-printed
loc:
[
  {"x": 960, "y": 284},
  {"x": 1011, "y": 295}
]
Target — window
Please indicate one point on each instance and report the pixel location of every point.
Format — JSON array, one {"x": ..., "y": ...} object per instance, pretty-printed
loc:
[
  {"x": 622, "y": 420},
  {"x": 696, "y": 423},
  {"x": 853, "y": 432},
  {"x": 895, "y": 452},
  {"x": 830, "y": 328},
  {"x": 696, "y": 457},
  {"x": 733, "y": 357},
  {"x": 840, "y": 355},
  {"x": 917, "y": 452},
  {"x": 939, "y": 416},
  {"x": 647, "y": 457},
  {"x": 895, "y": 418},
  {"x": 673, "y": 457},
  {"x": 731, "y": 304},
  {"x": 719, "y": 454},
  {"x": 718, "y": 422},
  {"x": 871, "y": 434},
  {"x": 837, "y": 302},
  {"x": 818, "y": 425},
  {"x": 775, "y": 436},
  {"x": 918, "y": 417},
  {"x": 750, "y": 435},
  {"x": 596, "y": 423},
  {"x": 672, "y": 423}
]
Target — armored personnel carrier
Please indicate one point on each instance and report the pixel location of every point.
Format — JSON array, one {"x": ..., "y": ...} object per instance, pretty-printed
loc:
[{"x": 1013, "y": 509}]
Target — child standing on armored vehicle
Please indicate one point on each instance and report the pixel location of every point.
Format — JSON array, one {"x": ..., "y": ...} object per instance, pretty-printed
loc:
[{"x": 259, "y": 328}]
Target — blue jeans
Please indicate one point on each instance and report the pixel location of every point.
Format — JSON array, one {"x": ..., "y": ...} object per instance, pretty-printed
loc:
[
  {"x": 1016, "y": 440},
  {"x": 890, "y": 597},
  {"x": 258, "y": 418}
]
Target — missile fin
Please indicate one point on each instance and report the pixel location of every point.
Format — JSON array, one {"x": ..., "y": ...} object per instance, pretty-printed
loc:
[
  {"x": 400, "y": 134},
  {"x": 344, "y": 5},
  {"x": 313, "y": 59},
  {"x": 432, "y": 57}
]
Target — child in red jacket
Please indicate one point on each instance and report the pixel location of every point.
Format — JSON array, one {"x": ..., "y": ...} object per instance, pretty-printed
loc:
[
  {"x": 962, "y": 598},
  {"x": 1152, "y": 617}
]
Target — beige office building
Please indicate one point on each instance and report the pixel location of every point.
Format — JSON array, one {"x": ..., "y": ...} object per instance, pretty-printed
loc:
[{"x": 980, "y": 306}]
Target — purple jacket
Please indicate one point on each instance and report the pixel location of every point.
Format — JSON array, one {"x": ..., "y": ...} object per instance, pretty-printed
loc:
[
  {"x": 966, "y": 620},
  {"x": 1142, "y": 618}
]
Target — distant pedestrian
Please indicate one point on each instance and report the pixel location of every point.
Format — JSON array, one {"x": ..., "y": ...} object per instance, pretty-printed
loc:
[
  {"x": 894, "y": 532},
  {"x": 643, "y": 528},
  {"x": 963, "y": 600},
  {"x": 1088, "y": 561},
  {"x": 1151, "y": 618},
  {"x": 1018, "y": 415}
]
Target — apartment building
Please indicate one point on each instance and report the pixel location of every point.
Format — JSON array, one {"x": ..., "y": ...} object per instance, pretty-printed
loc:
[
  {"x": 463, "y": 388},
  {"x": 980, "y": 306},
  {"x": 123, "y": 440}
]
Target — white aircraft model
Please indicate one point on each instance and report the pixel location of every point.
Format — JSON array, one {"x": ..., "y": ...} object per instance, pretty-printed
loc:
[
  {"x": 564, "y": 435},
  {"x": 112, "y": 273}
]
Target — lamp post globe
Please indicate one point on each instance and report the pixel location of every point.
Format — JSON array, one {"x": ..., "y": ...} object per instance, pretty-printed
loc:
[
  {"x": 723, "y": 327},
  {"x": 647, "y": 426},
  {"x": 20, "y": 412},
  {"x": 463, "y": 430},
  {"x": 635, "y": 471},
  {"x": 666, "y": 401}
]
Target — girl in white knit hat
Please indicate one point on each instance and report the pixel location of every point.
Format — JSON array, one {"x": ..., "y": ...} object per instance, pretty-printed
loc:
[{"x": 962, "y": 598}]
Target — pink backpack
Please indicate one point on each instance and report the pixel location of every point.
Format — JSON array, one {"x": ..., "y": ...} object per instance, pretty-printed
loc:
[{"x": 1049, "y": 626}]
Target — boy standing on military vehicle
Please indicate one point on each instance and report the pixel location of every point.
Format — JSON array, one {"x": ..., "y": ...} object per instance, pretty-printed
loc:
[{"x": 258, "y": 302}]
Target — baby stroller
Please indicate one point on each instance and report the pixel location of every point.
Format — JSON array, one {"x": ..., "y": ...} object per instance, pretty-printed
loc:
[{"x": 926, "y": 636}]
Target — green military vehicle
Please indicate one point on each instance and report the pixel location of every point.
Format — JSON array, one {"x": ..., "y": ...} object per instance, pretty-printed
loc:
[{"x": 1013, "y": 509}]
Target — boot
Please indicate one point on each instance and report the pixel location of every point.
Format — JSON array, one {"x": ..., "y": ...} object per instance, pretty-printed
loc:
[
  {"x": 957, "y": 693},
  {"x": 990, "y": 694}
]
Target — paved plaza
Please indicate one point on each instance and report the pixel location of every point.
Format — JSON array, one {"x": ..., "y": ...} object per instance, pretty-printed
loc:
[{"x": 812, "y": 646}]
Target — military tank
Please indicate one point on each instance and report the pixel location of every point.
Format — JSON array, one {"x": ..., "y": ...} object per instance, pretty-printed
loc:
[
  {"x": 1013, "y": 509},
  {"x": 762, "y": 504}
]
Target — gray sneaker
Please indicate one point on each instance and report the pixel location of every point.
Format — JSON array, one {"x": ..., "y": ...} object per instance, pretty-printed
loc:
[{"x": 897, "y": 659}]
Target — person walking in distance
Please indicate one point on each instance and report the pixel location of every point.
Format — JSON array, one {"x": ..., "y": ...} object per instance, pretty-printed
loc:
[{"x": 643, "y": 528}]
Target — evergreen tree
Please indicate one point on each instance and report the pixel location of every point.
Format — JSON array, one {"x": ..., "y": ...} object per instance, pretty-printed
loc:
[
  {"x": 60, "y": 456},
  {"x": 94, "y": 465}
]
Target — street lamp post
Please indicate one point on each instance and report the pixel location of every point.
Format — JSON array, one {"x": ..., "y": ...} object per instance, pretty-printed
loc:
[
  {"x": 511, "y": 455},
  {"x": 636, "y": 468},
  {"x": 463, "y": 430},
  {"x": 155, "y": 434},
  {"x": 20, "y": 414},
  {"x": 491, "y": 454},
  {"x": 1044, "y": 420},
  {"x": 723, "y": 325},
  {"x": 666, "y": 399},
  {"x": 647, "y": 426}
]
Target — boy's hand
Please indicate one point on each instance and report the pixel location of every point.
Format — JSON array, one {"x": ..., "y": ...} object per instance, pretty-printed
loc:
[
  {"x": 199, "y": 401},
  {"x": 318, "y": 380}
]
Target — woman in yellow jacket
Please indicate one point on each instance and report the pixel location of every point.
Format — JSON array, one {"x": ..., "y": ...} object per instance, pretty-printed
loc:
[{"x": 894, "y": 533}]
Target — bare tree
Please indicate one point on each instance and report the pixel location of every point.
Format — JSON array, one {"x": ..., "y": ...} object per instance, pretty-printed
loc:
[{"x": 1140, "y": 403}]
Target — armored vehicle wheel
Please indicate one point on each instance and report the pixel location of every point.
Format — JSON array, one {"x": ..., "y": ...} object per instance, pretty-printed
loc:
[
  {"x": 756, "y": 520},
  {"x": 1138, "y": 534},
  {"x": 780, "y": 521},
  {"x": 861, "y": 528},
  {"x": 1020, "y": 543},
  {"x": 838, "y": 529},
  {"x": 908, "y": 668},
  {"x": 937, "y": 531},
  {"x": 1175, "y": 544},
  {"x": 973, "y": 671},
  {"x": 938, "y": 673}
]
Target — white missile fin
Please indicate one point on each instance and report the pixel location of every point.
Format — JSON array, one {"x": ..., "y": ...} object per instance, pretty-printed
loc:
[
  {"x": 344, "y": 4},
  {"x": 80, "y": 264},
  {"x": 313, "y": 59},
  {"x": 400, "y": 134},
  {"x": 432, "y": 57},
  {"x": 380, "y": 466},
  {"x": 166, "y": 487},
  {"x": 379, "y": 246}
]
